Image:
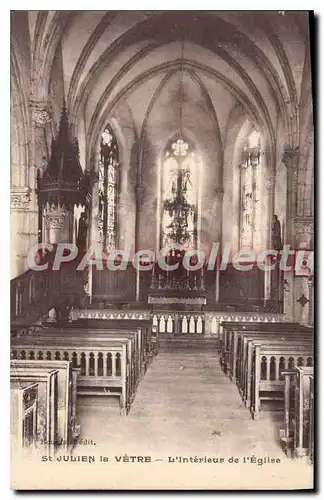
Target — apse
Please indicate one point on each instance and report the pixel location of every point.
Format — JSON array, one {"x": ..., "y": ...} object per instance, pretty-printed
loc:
[{"x": 180, "y": 111}]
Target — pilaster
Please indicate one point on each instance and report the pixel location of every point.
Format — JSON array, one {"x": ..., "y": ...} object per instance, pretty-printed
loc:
[{"x": 290, "y": 159}]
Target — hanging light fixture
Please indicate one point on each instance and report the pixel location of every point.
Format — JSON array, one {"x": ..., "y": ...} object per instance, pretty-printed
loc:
[{"x": 177, "y": 205}]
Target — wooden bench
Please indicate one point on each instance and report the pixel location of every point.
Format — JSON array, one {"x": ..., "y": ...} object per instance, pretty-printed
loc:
[
  {"x": 232, "y": 336},
  {"x": 229, "y": 326},
  {"x": 104, "y": 337},
  {"x": 265, "y": 376},
  {"x": 23, "y": 414},
  {"x": 149, "y": 343},
  {"x": 98, "y": 327},
  {"x": 311, "y": 420},
  {"x": 104, "y": 368},
  {"x": 110, "y": 318},
  {"x": 297, "y": 436},
  {"x": 67, "y": 428},
  {"x": 240, "y": 352},
  {"x": 144, "y": 348},
  {"x": 47, "y": 382},
  {"x": 228, "y": 349},
  {"x": 239, "y": 347},
  {"x": 249, "y": 341}
]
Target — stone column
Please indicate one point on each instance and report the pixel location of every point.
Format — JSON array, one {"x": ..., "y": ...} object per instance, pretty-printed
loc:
[
  {"x": 20, "y": 204},
  {"x": 219, "y": 195},
  {"x": 310, "y": 284},
  {"x": 246, "y": 211},
  {"x": 290, "y": 159},
  {"x": 139, "y": 192},
  {"x": 257, "y": 215},
  {"x": 24, "y": 203},
  {"x": 94, "y": 236},
  {"x": 267, "y": 220},
  {"x": 41, "y": 113},
  {"x": 304, "y": 229}
]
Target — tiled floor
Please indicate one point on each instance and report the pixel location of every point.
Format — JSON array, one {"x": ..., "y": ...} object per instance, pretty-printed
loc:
[{"x": 185, "y": 406}]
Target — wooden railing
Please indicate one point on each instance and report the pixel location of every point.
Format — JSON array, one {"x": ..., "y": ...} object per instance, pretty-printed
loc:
[
  {"x": 178, "y": 322},
  {"x": 214, "y": 320}
]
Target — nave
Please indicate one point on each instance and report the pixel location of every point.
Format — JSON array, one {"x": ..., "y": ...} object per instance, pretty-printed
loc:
[
  {"x": 178, "y": 146},
  {"x": 186, "y": 407}
]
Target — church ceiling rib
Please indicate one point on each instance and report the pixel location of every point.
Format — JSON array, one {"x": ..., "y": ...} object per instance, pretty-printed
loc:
[
  {"x": 110, "y": 87},
  {"x": 149, "y": 108},
  {"x": 102, "y": 102},
  {"x": 212, "y": 111},
  {"x": 38, "y": 36},
  {"x": 230, "y": 35},
  {"x": 240, "y": 96},
  {"x": 292, "y": 103},
  {"x": 104, "y": 59},
  {"x": 19, "y": 115},
  {"x": 86, "y": 51},
  {"x": 132, "y": 34},
  {"x": 60, "y": 22}
]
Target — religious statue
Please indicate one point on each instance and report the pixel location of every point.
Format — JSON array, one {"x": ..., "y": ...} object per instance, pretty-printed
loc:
[
  {"x": 276, "y": 233},
  {"x": 82, "y": 231}
]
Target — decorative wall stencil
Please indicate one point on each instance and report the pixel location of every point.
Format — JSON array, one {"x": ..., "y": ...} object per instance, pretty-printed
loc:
[{"x": 302, "y": 300}]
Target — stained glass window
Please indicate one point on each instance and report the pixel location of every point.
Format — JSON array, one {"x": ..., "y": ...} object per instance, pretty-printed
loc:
[
  {"x": 108, "y": 181},
  {"x": 250, "y": 192},
  {"x": 179, "y": 195}
]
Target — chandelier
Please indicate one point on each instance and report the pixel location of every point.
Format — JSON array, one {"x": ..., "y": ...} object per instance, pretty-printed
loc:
[{"x": 177, "y": 205}]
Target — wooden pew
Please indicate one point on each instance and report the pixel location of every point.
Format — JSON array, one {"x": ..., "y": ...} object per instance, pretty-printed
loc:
[
  {"x": 149, "y": 343},
  {"x": 297, "y": 436},
  {"x": 23, "y": 414},
  {"x": 111, "y": 317},
  {"x": 96, "y": 328},
  {"x": 67, "y": 428},
  {"x": 249, "y": 341},
  {"x": 110, "y": 328},
  {"x": 229, "y": 350},
  {"x": 46, "y": 430},
  {"x": 104, "y": 368},
  {"x": 232, "y": 339},
  {"x": 105, "y": 337},
  {"x": 228, "y": 326},
  {"x": 242, "y": 359},
  {"x": 311, "y": 419},
  {"x": 261, "y": 378}
]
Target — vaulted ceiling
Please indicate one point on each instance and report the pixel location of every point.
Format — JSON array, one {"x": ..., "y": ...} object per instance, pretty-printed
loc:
[{"x": 111, "y": 64}]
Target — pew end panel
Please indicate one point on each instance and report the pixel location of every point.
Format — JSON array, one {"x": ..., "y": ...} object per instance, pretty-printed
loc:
[
  {"x": 67, "y": 387},
  {"x": 47, "y": 380},
  {"x": 23, "y": 415},
  {"x": 267, "y": 387}
]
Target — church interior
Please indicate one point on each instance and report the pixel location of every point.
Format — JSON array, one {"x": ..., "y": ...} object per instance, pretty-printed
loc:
[{"x": 144, "y": 146}]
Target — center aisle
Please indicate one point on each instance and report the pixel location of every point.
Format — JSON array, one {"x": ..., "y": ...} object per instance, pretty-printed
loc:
[{"x": 185, "y": 406}]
